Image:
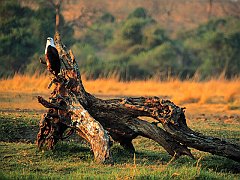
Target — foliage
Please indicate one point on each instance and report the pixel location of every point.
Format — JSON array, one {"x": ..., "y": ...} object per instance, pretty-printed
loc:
[
  {"x": 138, "y": 48},
  {"x": 23, "y": 34},
  {"x": 163, "y": 59},
  {"x": 98, "y": 35},
  {"x": 17, "y": 41},
  {"x": 138, "y": 13},
  {"x": 216, "y": 45},
  {"x": 132, "y": 30},
  {"x": 107, "y": 17},
  {"x": 154, "y": 36},
  {"x": 134, "y": 48}
]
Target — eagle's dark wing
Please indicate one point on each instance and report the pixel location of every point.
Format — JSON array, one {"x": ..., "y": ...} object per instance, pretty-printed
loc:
[{"x": 53, "y": 61}]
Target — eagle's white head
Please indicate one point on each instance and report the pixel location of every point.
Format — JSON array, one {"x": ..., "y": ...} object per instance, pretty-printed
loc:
[{"x": 49, "y": 42}]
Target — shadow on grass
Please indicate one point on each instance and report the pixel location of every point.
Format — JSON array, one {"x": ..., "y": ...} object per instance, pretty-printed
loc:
[
  {"x": 121, "y": 156},
  {"x": 22, "y": 129},
  {"x": 73, "y": 150},
  {"x": 220, "y": 164}
]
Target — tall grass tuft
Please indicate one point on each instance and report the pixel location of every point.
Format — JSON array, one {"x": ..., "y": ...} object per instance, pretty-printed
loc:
[
  {"x": 213, "y": 91},
  {"x": 25, "y": 83}
]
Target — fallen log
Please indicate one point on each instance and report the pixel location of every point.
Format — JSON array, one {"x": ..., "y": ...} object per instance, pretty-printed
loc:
[{"x": 71, "y": 106}]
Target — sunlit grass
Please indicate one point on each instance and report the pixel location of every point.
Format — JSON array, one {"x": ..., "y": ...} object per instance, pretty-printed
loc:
[
  {"x": 212, "y": 108},
  {"x": 25, "y": 83},
  {"x": 73, "y": 161},
  {"x": 188, "y": 91}
]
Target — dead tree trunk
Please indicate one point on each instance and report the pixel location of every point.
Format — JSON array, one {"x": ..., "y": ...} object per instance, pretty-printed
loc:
[{"x": 92, "y": 116}]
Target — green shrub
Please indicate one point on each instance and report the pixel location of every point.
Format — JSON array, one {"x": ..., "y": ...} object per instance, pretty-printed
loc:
[
  {"x": 138, "y": 13},
  {"x": 132, "y": 30},
  {"x": 154, "y": 36}
]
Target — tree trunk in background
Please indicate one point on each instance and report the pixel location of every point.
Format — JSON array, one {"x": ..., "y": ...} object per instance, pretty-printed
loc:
[
  {"x": 209, "y": 8},
  {"x": 57, "y": 6}
]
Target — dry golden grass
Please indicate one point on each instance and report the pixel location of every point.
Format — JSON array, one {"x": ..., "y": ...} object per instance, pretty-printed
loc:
[
  {"x": 215, "y": 91},
  {"x": 212, "y": 91},
  {"x": 25, "y": 83}
]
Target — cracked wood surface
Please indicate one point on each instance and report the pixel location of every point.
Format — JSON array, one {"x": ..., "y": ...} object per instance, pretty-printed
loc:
[{"x": 92, "y": 117}]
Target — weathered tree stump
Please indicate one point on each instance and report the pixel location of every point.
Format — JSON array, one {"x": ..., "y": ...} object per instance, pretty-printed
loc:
[{"x": 70, "y": 106}]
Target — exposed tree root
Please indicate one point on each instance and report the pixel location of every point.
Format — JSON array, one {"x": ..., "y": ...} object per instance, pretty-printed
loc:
[{"x": 70, "y": 106}]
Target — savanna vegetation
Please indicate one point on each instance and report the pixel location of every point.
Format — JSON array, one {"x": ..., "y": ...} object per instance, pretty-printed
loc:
[
  {"x": 137, "y": 47},
  {"x": 210, "y": 92},
  {"x": 136, "y": 55},
  {"x": 73, "y": 159}
]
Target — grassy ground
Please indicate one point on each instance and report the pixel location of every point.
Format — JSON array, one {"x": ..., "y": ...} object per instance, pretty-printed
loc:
[
  {"x": 73, "y": 159},
  {"x": 214, "y": 91},
  {"x": 20, "y": 158}
]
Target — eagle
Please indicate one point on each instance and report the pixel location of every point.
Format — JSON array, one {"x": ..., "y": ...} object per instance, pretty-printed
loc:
[{"x": 52, "y": 57}]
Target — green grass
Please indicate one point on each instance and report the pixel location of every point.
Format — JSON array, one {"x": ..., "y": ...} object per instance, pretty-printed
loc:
[
  {"x": 74, "y": 160},
  {"x": 18, "y": 126}
]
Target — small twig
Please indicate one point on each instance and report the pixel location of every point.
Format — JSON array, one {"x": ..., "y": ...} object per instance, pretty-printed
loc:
[
  {"x": 134, "y": 160},
  {"x": 42, "y": 61},
  {"x": 173, "y": 158},
  {"x": 199, "y": 159},
  {"x": 198, "y": 166}
]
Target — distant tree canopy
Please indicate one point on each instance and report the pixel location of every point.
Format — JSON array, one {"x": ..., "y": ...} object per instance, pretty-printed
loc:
[
  {"x": 134, "y": 48},
  {"x": 139, "y": 48},
  {"x": 17, "y": 43},
  {"x": 138, "y": 13},
  {"x": 216, "y": 47},
  {"x": 23, "y": 34}
]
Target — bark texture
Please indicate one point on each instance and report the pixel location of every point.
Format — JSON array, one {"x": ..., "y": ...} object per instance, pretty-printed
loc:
[{"x": 70, "y": 106}]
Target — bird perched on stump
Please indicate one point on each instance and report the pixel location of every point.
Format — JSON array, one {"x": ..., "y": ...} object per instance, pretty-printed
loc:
[{"x": 52, "y": 57}]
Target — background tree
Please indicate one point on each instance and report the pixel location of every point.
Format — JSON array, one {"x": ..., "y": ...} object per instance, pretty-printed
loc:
[
  {"x": 28, "y": 29},
  {"x": 17, "y": 29},
  {"x": 136, "y": 47}
]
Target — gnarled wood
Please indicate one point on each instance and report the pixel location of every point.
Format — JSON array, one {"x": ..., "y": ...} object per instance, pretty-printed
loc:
[
  {"x": 71, "y": 106},
  {"x": 66, "y": 111}
]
